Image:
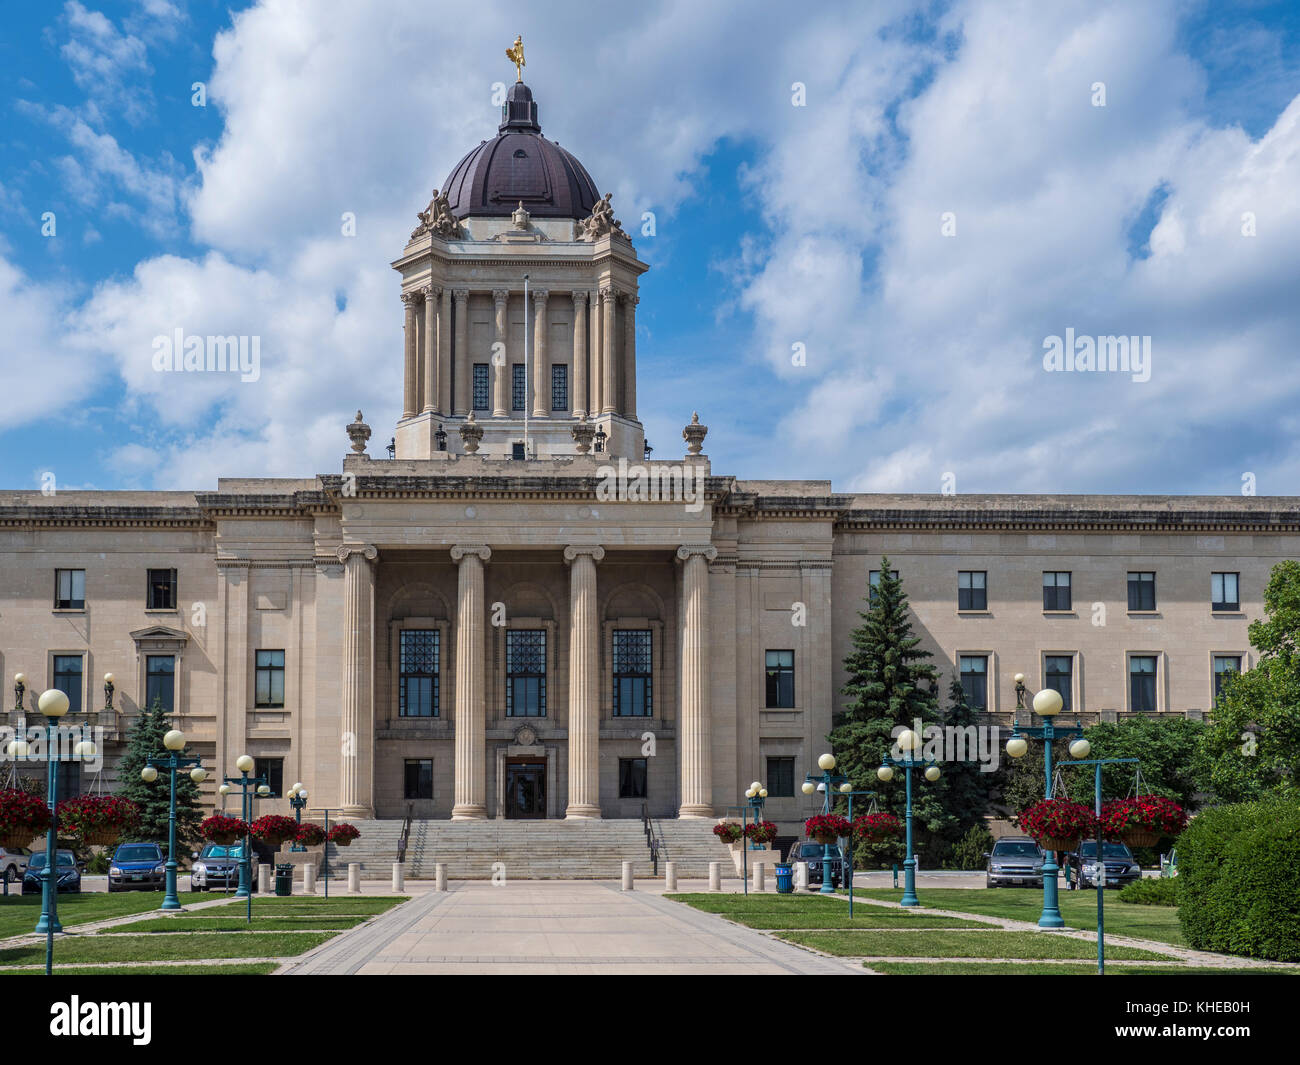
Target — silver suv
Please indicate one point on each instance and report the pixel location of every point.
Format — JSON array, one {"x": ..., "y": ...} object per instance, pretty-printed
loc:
[{"x": 1014, "y": 860}]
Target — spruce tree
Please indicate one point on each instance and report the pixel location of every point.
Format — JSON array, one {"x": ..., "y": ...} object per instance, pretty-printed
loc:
[
  {"x": 145, "y": 741},
  {"x": 966, "y": 790},
  {"x": 891, "y": 683}
]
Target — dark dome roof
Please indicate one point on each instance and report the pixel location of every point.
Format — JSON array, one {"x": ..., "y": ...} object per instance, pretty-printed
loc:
[{"x": 520, "y": 165}]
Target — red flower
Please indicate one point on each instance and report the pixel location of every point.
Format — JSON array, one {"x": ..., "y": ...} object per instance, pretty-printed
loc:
[
  {"x": 344, "y": 833},
  {"x": 877, "y": 827},
  {"x": 21, "y": 811},
  {"x": 827, "y": 824},
  {"x": 219, "y": 826},
  {"x": 274, "y": 828},
  {"x": 760, "y": 832},
  {"x": 727, "y": 831},
  {"x": 1058, "y": 819},
  {"x": 1151, "y": 812},
  {"x": 92, "y": 815},
  {"x": 310, "y": 835}
]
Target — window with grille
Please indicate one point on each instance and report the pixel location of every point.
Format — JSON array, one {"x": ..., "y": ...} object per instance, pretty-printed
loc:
[
  {"x": 161, "y": 593},
  {"x": 1141, "y": 591},
  {"x": 70, "y": 589},
  {"x": 779, "y": 666},
  {"x": 269, "y": 679},
  {"x": 67, "y": 679},
  {"x": 518, "y": 386},
  {"x": 780, "y": 778},
  {"x": 418, "y": 673},
  {"x": 975, "y": 681},
  {"x": 972, "y": 590},
  {"x": 1223, "y": 591},
  {"x": 632, "y": 672},
  {"x": 481, "y": 399},
  {"x": 526, "y": 673},
  {"x": 1142, "y": 683},
  {"x": 1056, "y": 591},
  {"x": 559, "y": 388},
  {"x": 1059, "y": 676}
]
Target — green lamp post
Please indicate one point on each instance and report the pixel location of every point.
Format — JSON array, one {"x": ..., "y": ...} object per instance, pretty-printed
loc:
[
  {"x": 53, "y": 704},
  {"x": 298, "y": 800},
  {"x": 908, "y": 743},
  {"x": 173, "y": 763},
  {"x": 828, "y": 779},
  {"x": 1047, "y": 704},
  {"x": 244, "y": 763}
]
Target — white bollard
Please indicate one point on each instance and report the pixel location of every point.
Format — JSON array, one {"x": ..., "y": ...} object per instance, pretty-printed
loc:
[
  {"x": 759, "y": 867},
  {"x": 354, "y": 877},
  {"x": 627, "y": 876},
  {"x": 309, "y": 879},
  {"x": 670, "y": 876},
  {"x": 399, "y": 877},
  {"x": 715, "y": 876},
  {"x": 440, "y": 877},
  {"x": 801, "y": 876},
  {"x": 264, "y": 879}
]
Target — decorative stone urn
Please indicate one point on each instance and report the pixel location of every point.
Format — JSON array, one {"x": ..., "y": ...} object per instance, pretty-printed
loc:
[
  {"x": 694, "y": 435},
  {"x": 359, "y": 433},
  {"x": 583, "y": 434},
  {"x": 470, "y": 434}
]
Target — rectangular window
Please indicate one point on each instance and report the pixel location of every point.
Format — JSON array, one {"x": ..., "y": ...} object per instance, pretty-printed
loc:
[
  {"x": 270, "y": 679},
  {"x": 417, "y": 685},
  {"x": 632, "y": 672},
  {"x": 1223, "y": 666},
  {"x": 418, "y": 779},
  {"x": 560, "y": 387},
  {"x": 975, "y": 681},
  {"x": 780, "y": 679},
  {"x": 69, "y": 779},
  {"x": 1223, "y": 591},
  {"x": 972, "y": 590},
  {"x": 1142, "y": 683},
  {"x": 70, "y": 589},
  {"x": 1059, "y": 675},
  {"x": 632, "y": 778},
  {"x": 780, "y": 778},
  {"x": 873, "y": 583},
  {"x": 1141, "y": 591},
  {"x": 1056, "y": 590},
  {"x": 160, "y": 681},
  {"x": 517, "y": 452},
  {"x": 526, "y": 673},
  {"x": 161, "y": 591},
  {"x": 273, "y": 770},
  {"x": 518, "y": 386},
  {"x": 481, "y": 391},
  {"x": 67, "y": 679}
]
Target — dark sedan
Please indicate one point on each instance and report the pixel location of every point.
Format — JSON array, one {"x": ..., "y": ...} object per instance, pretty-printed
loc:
[
  {"x": 815, "y": 855},
  {"x": 65, "y": 868},
  {"x": 137, "y": 865}
]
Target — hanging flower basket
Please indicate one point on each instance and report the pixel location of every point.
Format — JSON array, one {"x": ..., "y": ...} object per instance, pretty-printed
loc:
[
  {"x": 827, "y": 828},
  {"x": 1058, "y": 824},
  {"x": 98, "y": 820},
  {"x": 274, "y": 829},
  {"x": 1142, "y": 821},
  {"x": 877, "y": 828},
  {"x": 222, "y": 829},
  {"x": 342, "y": 834},
  {"x": 727, "y": 831},
  {"x": 310, "y": 835},
  {"x": 760, "y": 832},
  {"x": 23, "y": 817}
]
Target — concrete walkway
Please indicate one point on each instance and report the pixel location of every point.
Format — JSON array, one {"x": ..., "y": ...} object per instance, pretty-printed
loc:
[{"x": 554, "y": 927}]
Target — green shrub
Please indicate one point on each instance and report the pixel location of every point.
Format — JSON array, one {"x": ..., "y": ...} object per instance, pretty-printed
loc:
[
  {"x": 1239, "y": 868},
  {"x": 1156, "y": 891},
  {"x": 969, "y": 851}
]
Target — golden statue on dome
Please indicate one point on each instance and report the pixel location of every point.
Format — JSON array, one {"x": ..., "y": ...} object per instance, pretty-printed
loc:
[{"x": 515, "y": 53}]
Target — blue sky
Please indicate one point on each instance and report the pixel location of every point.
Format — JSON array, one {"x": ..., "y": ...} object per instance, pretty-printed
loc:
[{"x": 776, "y": 224}]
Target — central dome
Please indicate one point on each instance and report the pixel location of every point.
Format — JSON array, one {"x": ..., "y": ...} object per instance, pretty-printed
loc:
[{"x": 520, "y": 165}]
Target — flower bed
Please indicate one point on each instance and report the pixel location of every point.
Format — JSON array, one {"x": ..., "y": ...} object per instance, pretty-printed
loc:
[
  {"x": 1142, "y": 821},
  {"x": 23, "y": 817},
  {"x": 310, "y": 835},
  {"x": 342, "y": 834},
  {"x": 98, "y": 820},
  {"x": 877, "y": 827},
  {"x": 1058, "y": 824},
  {"x": 727, "y": 832},
  {"x": 275, "y": 829},
  {"x": 222, "y": 829},
  {"x": 760, "y": 832},
  {"x": 827, "y": 828}
]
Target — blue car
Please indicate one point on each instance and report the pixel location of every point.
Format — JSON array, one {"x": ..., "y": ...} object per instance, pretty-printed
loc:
[
  {"x": 138, "y": 865},
  {"x": 69, "y": 876}
]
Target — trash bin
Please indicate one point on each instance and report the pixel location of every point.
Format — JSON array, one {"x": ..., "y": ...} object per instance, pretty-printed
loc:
[
  {"x": 784, "y": 878},
  {"x": 284, "y": 879}
]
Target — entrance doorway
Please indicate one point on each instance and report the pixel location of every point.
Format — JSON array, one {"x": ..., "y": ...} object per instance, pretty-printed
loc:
[{"x": 525, "y": 790}]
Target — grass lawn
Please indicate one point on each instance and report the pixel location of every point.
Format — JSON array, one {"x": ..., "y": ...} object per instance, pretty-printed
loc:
[
  {"x": 762, "y": 903},
  {"x": 945, "y": 944},
  {"x": 976, "y": 968},
  {"x": 1079, "y": 908},
  {"x": 19, "y": 913},
  {"x": 111, "y": 948},
  {"x": 260, "y": 968},
  {"x": 307, "y": 904},
  {"x": 863, "y": 917},
  {"x": 202, "y": 923}
]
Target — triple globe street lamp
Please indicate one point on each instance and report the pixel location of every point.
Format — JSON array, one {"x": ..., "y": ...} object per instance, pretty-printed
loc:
[
  {"x": 909, "y": 743},
  {"x": 172, "y": 763}
]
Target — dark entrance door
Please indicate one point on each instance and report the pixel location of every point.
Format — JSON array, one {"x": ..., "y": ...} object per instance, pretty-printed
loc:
[{"x": 526, "y": 789}]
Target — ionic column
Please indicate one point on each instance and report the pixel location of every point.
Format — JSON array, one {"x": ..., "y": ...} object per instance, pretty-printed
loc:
[
  {"x": 629, "y": 356},
  {"x": 608, "y": 393},
  {"x": 443, "y": 402},
  {"x": 460, "y": 354},
  {"x": 696, "y": 775},
  {"x": 500, "y": 364},
  {"x": 409, "y": 398},
  {"x": 579, "y": 401},
  {"x": 541, "y": 373},
  {"x": 470, "y": 793},
  {"x": 355, "y": 695},
  {"x": 430, "y": 293},
  {"x": 597, "y": 374},
  {"x": 584, "y": 683}
]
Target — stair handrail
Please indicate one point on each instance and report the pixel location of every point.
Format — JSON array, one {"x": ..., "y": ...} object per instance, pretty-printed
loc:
[
  {"x": 653, "y": 840},
  {"x": 406, "y": 833}
]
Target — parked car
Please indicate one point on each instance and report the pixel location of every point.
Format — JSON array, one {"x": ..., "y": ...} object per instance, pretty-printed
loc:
[
  {"x": 1015, "y": 860},
  {"x": 65, "y": 868},
  {"x": 137, "y": 865},
  {"x": 1169, "y": 864},
  {"x": 217, "y": 867},
  {"x": 1121, "y": 867},
  {"x": 815, "y": 855},
  {"x": 13, "y": 864}
]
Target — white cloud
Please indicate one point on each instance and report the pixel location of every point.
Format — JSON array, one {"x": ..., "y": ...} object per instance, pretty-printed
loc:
[{"x": 104, "y": 62}]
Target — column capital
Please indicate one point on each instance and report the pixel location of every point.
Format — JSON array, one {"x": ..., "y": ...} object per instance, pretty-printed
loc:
[
  {"x": 411, "y": 298},
  {"x": 687, "y": 550},
  {"x": 629, "y": 299},
  {"x": 607, "y": 292},
  {"x": 580, "y": 295},
  {"x": 461, "y": 550},
  {"x": 573, "y": 551},
  {"x": 370, "y": 551},
  {"x": 430, "y": 291},
  {"x": 541, "y": 295},
  {"x": 500, "y": 295},
  {"x": 460, "y": 295}
]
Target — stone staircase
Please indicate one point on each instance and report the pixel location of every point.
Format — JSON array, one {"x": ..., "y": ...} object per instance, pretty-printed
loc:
[{"x": 532, "y": 850}]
